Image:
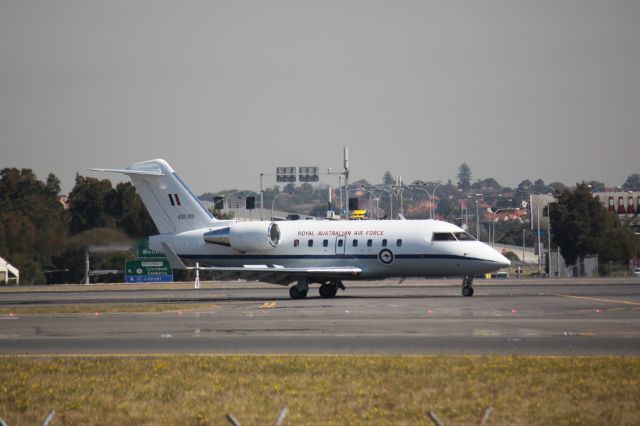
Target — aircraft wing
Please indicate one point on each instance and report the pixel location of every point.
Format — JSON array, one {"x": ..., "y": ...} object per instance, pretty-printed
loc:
[{"x": 272, "y": 274}]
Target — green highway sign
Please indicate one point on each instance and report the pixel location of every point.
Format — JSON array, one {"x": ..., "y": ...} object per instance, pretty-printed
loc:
[
  {"x": 145, "y": 251},
  {"x": 148, "y": 270}
]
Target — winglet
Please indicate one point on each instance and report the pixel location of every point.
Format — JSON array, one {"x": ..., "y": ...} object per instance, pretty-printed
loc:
[{"x": 174, "y": 260}]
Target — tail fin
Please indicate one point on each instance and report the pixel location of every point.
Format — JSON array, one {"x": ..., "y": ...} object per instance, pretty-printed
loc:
[{"x": 171, "y": 204}]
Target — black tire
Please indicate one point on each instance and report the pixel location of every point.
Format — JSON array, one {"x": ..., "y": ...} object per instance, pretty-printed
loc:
[
  {"x": 328, "y": 291},
  {"x": 467, "y": 291},
  {"x": 296, "y": 294}
]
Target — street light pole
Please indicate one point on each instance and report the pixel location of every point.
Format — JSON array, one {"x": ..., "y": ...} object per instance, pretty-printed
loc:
[
  {"x": 273, "y": 203},
  {"x": 391, "y": 194},
  {"x": 549, "y": 238},
  {"x": 538, "y": 225},
  {"x": 477, "y": 216},
  {"x": 346, "y": 181},
  {"x": 340, "y": 196},
  {"x": 433, "y": 197},
  {"x": 523, "y": 247},
  {"x": 261, "y": 198}
]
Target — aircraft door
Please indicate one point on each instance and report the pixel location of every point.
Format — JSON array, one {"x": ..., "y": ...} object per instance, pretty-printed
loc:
[{"x": 341, "y": 242}]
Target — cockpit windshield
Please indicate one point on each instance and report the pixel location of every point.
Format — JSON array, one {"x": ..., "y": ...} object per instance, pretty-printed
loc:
[
  {"x": 463, "y": 236},
  {"x": 451, "y": 236},
  {"x": 443, "y": 236}
]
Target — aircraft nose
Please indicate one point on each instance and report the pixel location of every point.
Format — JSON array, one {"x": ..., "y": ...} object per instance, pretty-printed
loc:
[{"x": 501, "y": 260}]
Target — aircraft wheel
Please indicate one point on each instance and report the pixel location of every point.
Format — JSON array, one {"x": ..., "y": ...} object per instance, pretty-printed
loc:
[
  {"x": 328, "y": 290},
  {"x": 467, "y": 291},
  {"x": 296, "y": 293}
]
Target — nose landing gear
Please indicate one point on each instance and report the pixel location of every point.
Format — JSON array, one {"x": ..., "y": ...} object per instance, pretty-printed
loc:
[{"x": 467, "y": 286}]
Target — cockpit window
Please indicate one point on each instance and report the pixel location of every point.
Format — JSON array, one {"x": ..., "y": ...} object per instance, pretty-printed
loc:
[
  {"x": 463, "y": 236},
  {"x": 443, "y": 236}
]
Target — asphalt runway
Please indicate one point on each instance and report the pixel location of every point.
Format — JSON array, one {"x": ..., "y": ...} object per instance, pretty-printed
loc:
[{"x": 561, "y": 317}]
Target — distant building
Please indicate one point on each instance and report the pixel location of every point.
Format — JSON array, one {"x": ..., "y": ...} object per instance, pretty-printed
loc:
[
  {"x": 625, "y": 204},
  {"x": 539, "y": 207},
  {"x": 518, "y": 215},
  {"x": 64, "y": 200}
]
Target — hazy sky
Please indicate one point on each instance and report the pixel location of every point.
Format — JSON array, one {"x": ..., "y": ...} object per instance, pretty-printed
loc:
[{"x": 224, "y": 90}]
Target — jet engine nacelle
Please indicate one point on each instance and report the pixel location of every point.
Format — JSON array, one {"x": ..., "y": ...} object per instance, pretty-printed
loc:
[{"x": 246, "y": 236}]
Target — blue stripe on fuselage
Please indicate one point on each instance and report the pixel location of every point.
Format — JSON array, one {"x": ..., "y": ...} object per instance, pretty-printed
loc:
[{"x": 322, "y": 256}]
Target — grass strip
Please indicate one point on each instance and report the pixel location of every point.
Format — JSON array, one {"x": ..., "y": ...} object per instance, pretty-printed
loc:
[
  {"x": 106, "y": 308},
  {"x": 320, "y": 390}
]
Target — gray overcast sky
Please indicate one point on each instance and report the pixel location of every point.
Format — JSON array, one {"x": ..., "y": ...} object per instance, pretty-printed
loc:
[{"x": 225, "y": 90}]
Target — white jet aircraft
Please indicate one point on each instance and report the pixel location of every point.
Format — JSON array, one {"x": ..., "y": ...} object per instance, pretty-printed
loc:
[{"x": 325, "y": 252}]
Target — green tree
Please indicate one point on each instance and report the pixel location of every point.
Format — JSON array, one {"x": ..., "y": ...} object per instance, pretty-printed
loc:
[
  {"x": 387, "y": 178},
  {"x": 524, "y": 185},
  {"x": 448, "y": 209},
  {"x": 489, "y": 183},
  {"x": 126, "y": 207},
  {"x": 53, "y": 184},
  {"x": 558, "y": 186},
  {"x": 581, "y": 226},
  {"x": 33, "y": 222},
  {"x": 632, "y": 183},
  {"x": 90, "y": 204},
  {"x": 464, "y": 176}
]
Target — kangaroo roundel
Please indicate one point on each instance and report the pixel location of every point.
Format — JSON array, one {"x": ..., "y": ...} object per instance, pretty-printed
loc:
[{"x": 385, "y": 256}]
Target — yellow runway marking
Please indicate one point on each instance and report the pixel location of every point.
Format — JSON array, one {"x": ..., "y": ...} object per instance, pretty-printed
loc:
[
  {"x": 595, "y": 299},
  {"x": 268, "y": 305}
]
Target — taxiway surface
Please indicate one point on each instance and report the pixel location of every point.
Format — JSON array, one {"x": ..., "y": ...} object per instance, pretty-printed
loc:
[{"x": 559, "y": 317}]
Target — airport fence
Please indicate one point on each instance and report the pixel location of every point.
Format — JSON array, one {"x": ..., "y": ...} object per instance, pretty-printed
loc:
[
  {"x": 46, "y": 421},
  {"x": 431, "y": 414}
]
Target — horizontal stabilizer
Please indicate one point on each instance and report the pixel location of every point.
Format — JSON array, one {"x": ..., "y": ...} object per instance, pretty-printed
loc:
[{"x": 157, "y": 172}]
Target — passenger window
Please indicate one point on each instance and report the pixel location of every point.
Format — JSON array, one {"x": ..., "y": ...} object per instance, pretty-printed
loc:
[
  {"x": 340, "y": 242},
  {"x": 296, "y": 243},
  {"x": 325, "y": 243},
  {"x": 384, "y": 242},
  {"x": 399, "y": 242},
  {"x": 355, "y": 243},
  {"x": 310, "y": 243},
  {"x": 369, "y": 243}
]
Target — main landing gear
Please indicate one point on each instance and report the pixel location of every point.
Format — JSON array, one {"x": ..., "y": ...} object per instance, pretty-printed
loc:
[
  {"x": 330, "y": 289},
  {"x": 467, "y": 283},
  {"x": 327, "y": 289},
  {"x": 300, "y": 290}
]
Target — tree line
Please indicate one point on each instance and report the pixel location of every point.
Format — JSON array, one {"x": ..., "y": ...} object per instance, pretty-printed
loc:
[{"x": 47, "y": 242}]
